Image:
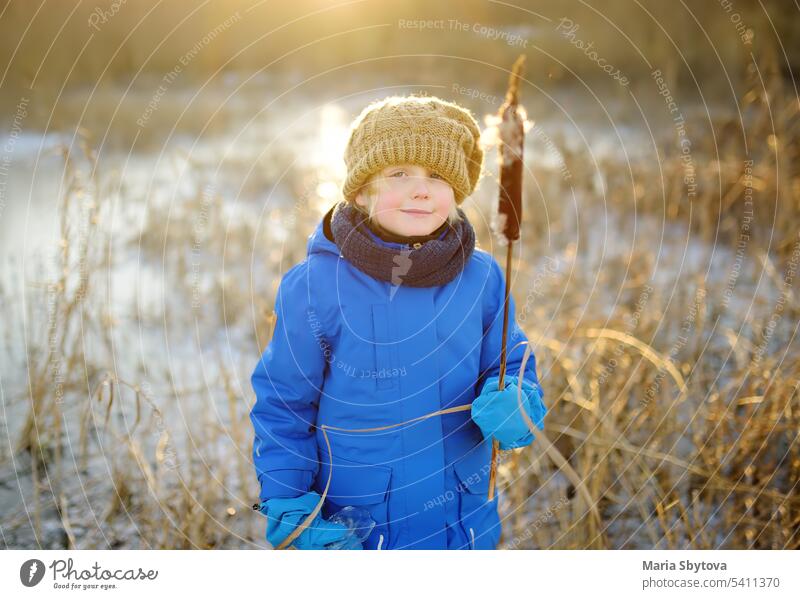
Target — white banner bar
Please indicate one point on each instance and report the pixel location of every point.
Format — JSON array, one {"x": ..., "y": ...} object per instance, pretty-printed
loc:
[{"x": 495, "y": 574}]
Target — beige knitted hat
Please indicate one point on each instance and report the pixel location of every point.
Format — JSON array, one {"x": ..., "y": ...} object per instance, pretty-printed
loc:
[{"x": 421, "y": 130}]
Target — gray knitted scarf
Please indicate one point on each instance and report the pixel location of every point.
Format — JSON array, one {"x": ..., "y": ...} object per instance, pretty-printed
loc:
[{"x": 434, "y": 263}]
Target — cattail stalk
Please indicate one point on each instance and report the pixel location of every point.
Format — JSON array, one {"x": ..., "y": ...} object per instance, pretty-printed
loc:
[{"x": 511, "y": 134}]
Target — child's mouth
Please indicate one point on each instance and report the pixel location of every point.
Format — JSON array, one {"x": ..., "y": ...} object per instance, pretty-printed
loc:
[{"x": 417, "y": 212}]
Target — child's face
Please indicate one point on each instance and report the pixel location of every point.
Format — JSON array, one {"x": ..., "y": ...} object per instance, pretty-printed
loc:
[{"x": 410, "y": 200}]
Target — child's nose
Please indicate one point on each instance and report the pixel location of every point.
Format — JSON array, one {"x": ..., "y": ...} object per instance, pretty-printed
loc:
[{"x": 420, "y": 187}]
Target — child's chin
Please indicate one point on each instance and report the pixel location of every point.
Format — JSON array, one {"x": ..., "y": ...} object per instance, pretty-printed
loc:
[
  {"x": 417, "y": 231},
  {"x": 424, "y": 226}
]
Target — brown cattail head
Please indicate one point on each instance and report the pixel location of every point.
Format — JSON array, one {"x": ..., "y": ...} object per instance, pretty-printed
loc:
[{"x": 511, "y": 133}]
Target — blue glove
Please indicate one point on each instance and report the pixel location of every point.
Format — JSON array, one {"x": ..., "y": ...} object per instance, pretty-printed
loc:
[
  {"x": 497, "y": 414},
  {"x": 286, "y": 514}
]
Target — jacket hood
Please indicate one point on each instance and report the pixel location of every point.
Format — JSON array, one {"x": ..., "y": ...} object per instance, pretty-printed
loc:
[{"x": 321, "y": 240}]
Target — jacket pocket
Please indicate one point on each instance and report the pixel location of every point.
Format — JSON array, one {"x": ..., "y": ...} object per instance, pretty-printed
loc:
[
  {"x": 478, "y": 517},
  {"x": 360, "y": 485},
  {"x": 385, "y": 373}
]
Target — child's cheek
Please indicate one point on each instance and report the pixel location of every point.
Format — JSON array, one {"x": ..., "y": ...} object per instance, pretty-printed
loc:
[
  {"x": 393, "y": 200},
  {"x": 443, "y": 209},
  {"x": 386, "y": 207},
  {"x": 390, "y": 207}
]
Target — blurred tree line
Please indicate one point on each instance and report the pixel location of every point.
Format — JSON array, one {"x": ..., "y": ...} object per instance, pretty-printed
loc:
[
  {"x": 50, "y": 44},
  {"x": 52, "y": 38}
]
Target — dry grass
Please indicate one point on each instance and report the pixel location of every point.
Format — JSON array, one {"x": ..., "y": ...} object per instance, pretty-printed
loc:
[{"x": 679, "y": 408}]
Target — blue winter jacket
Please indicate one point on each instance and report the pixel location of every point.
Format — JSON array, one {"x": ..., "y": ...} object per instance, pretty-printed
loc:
[{"x": 354, "y": 352}]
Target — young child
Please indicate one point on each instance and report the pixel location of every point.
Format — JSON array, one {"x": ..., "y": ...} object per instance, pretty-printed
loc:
[{"x": 393, "y": 315}]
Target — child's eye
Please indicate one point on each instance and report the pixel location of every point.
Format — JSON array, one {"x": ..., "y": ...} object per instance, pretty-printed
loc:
[
  {"x": 436, "y": 176},
  {"x": 397, "y": 173}
]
